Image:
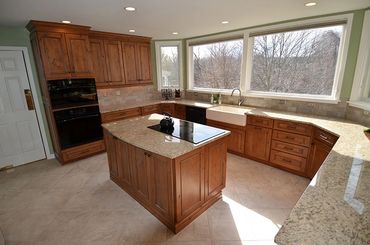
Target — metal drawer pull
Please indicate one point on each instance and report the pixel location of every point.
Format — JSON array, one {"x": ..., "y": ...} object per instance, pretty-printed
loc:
[
  {"x": 323, "y": 137},
  {"x": 288, "y": 148},
  {"x": 286, "y": 160},
  {"x": 292, "y": 127},
  {"x": 290, "y": 137}
]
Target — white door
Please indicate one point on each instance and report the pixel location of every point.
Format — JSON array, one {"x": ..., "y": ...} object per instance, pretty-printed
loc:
[{"x": 20, "y": 139}]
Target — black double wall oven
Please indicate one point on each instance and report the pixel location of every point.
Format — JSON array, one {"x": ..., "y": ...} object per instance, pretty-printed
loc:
[{"x": 76, "y": 111}]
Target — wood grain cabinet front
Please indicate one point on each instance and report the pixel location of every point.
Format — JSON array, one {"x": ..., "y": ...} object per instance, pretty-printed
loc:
[
  {"x": 150, "y": 109},
  {"x": 236, "y": 139},
  {"x": 180, "y": 111},
  {"x": 114, "y": 62},
  {"x": 98, "y": 62},
  {"x": 257, "y": 142}
]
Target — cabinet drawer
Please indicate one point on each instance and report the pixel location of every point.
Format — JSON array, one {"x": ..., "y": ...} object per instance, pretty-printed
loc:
[
  {"x": 325, "y": 137},
  {"x": 289, "y": 148},
  {"x": 119, "y": 115},
  {"x": 149, "y": 109},
  {"x": 260, "y": 121},
  {"x": 293, "y": 127},
  {"x": 287, "y": 160},
  {"x": 83, "y": 150},
  {"x": 295, "y": 139}
]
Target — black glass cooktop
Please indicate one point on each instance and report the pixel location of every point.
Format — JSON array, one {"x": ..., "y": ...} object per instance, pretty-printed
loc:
[{"x": 192, "y": 132}]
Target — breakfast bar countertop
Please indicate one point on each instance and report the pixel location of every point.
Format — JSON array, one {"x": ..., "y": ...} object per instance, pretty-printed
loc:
[
  {"x": 135, "y": 131},
  {"x": 335, "y": 207}
]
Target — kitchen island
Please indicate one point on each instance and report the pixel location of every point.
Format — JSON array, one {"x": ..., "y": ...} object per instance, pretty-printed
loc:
[{"x": 176, "y": 180}]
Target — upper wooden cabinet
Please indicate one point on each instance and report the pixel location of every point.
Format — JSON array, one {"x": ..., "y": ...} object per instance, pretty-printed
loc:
[
  {"x": 116, "y": 72},
  {"x": 70, "y": 51},
  {"x": 98, "y": 61},
  {"x": 64, "y": 50}
]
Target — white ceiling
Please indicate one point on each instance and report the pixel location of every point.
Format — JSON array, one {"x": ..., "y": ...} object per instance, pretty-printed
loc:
[{"x": 159, "y": 18}]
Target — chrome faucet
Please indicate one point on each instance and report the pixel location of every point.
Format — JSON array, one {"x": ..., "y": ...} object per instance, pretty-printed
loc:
[{"x": 240, "y": 100}]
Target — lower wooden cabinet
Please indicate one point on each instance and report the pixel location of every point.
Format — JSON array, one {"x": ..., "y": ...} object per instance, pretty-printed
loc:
[
  {"x": 257, "y": 142},
  {"x": 176, "y": 190},
  {"x": 288, "y": 161},
  {"x": 180, "y": 111},
  {"x": 236, "y": 140},
  {"x": 81, "y": 151},
  {"x": 319, "y": 152},
  {"x": 150, "y": 109},
  {"x": 168, "y": 108}
]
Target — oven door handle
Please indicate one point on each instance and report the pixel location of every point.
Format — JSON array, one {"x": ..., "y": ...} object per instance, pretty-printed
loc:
[{"x": 76, "y": 118}]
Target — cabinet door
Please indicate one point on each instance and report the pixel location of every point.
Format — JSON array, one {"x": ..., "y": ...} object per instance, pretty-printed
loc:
[
  {"x": 143, "y": 52},
  {"x": 113, "y": 54},
  {"x": 125, "y": 158},
  {"x": 54, "y": 55},
  {"x": 111, "y": 152},
  {"x": 131, "y": 63},
  {"x": 257, "y": 142},
  {"x": 319, "y": 152},
  {"x": 189, "y": 183},
  {"x": 161, "y": 193},
  {"x": 141, "y": 174},
  {"x": 78, "y": 48},
  {"x": 98, "y": 62},
  {"x": 215, "y": 168}
]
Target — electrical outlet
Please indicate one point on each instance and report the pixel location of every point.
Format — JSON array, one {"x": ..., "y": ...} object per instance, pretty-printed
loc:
[
  {"x": 118, "y": 92},
  {"x": 282, "y": 102}
]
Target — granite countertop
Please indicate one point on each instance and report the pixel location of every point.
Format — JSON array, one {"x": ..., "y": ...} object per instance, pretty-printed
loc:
[
  {"x": 135, "y": 132},
  {"x": 153, "y": 102},
  {"x": 335, "y": 207}
]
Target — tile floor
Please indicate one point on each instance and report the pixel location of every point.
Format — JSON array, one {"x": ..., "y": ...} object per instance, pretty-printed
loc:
[{"x": 45, "y": 203}]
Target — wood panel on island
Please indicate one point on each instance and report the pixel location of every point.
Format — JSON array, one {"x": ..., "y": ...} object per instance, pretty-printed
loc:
[{"x": 162, "y": 185}]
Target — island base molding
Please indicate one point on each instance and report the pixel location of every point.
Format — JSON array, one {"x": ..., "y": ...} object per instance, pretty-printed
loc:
[{"x": 176, "y": 191}]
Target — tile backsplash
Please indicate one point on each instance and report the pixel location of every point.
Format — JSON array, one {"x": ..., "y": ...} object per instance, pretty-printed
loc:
[{"x": 116, "y": 98}]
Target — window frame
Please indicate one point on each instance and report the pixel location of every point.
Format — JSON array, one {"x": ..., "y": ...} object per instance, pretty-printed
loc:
[
  {"x": 361, "y": 82},
  {"x": 208, "y": 40},
  {"x": 246, "y": 69},
  {"x": 158, "y": 46}
]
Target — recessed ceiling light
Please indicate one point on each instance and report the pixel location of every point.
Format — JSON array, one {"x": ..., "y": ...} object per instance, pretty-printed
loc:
[
  {"x": 310, "y": 4},
  {"x": 130, "y": 9},
  {"x": 131, "y": 30},
  {"x": 66, "y": 22},
  {"x": 175, "y": 33},
  {"x": 225, "y": 22}
]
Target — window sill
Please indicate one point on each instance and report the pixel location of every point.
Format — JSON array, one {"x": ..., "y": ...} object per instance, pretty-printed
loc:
[
  {"x": 294, "y": 97},
  {"x": 360, "y": 104},
  {"x": 211, "y": 91}
]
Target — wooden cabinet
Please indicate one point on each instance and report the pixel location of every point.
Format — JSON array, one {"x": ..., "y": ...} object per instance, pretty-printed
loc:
[
  {"x": 120, "y": 115},
  {"x": 257, "y": 142},
  {"x": 150, "y": 109},
  {"x": 143, "y": 58},
  {"x": 235, "y": 141},
  {"x": 291, "y": 138},
  {"x": 168, "y": 108},
  {"x": 260, "y": 121},
  {"x": 65, "y": 55},
  {"x": 113, "y": 54},
  {"x": 189, "y": 183},
  {"x": 78, "y": 48},
  {"x": 293, "y": 127},
  {"x": 288, "y": 161},
  {"x": 98, "y": 62},
  {"x": 54, "y": 55},
  {"x": 322, "y": 144},
  {"x": 215, "y": 163},
  {"x": 130, "y": 59},
  {"x": 175, "y": 190},
  {"x": 180, "y": 111},
  {"x": 82, "y": 151}
]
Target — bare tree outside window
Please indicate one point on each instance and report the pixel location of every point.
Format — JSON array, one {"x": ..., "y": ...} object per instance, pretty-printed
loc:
[
  {"x": 300, "y": 62},
  {"x": 170, "y": 67},
  {"x": 217, "y": 65}
]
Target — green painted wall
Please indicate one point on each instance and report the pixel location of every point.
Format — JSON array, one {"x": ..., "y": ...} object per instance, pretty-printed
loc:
[
  {"x": 19, "y": 37},
  {"x": 350, "y": 66}
]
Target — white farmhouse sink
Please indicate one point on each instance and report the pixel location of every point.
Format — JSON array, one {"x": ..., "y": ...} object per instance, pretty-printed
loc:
[{"x": 228, "y": 114}]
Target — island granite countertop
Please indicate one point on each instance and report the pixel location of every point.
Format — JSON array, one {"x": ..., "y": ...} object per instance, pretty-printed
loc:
[
  {"x": 135, "y": 131},
  {"x": 335, "y": 207}
]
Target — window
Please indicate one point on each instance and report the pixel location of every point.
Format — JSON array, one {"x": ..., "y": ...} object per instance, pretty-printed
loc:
[
  {"x": 168, "y": 56},
  {"x": 360, "y": 95},
  {"x": 297, "y": 62},
  {"x": 216, "y": 65},
  {"x": 302, "y": 60}
]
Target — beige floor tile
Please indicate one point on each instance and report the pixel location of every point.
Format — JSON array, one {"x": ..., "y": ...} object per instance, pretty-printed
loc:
[{"x": 45, "y": 203}]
